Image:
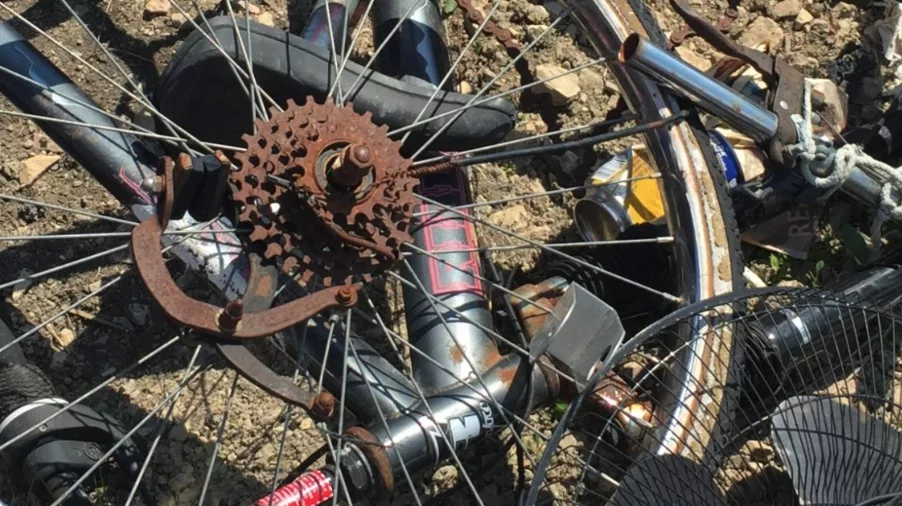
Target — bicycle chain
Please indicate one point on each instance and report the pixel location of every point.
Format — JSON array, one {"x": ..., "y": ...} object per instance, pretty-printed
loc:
[{"x": 503, "y": 36}]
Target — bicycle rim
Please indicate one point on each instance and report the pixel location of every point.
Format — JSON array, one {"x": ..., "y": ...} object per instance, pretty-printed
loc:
[{"x": 208, "y": 435}]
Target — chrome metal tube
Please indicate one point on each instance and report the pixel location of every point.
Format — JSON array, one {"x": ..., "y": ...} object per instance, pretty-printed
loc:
[{"x": 708, "y": 94}]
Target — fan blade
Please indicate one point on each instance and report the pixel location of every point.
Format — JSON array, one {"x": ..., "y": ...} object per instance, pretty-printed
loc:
[{"x": 835, "y": 453}]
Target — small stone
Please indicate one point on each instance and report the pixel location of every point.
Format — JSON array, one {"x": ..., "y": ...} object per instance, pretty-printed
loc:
[
  {"x": 536, "y": 14},
  {"x": 177, "y": 19},
  {"x": 95, "y": 285},
  {"x": 590, "y": 81},
  {"x": 803, "y": 18},
  {"x": 569, "y": 441},
  {"x": 144, "y": 119},
  {"x": 182, "y": 481},
  {"x": 306, "y": 424},
  {"x": 138, "y": 314},
  {"x": 786, "y": 9},
  {"x": 58, "y": 359},
  {"x": 562, "y": 88},
  {"x": 21, "y": 287},
  {"x": 156, "y": 7},
  {"x": 179, "y": 433},
  {"x": 554, "y": 8},
  {"x": 843, "y": 10},
  {"x": 465, "y": 88},
  {"x": 511, "y": 218},
  {"x": 108, "y": 372},
  {"x": 871, "y": 88},
  {"x": 758, "y": 452},
  {"x": 66, "y": 336},
  {"x": 35, "y": 167},
  {"x": 266, "y": 18},
  {"x": 762, "y": 30},
  {"x": 253, "y": 9},
  {"x": 692, "y": 58},
  {"x": 569, "y": 162}
]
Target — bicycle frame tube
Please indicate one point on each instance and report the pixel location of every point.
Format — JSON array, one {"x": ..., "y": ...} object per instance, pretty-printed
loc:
[{"x": 417, "y": 53}]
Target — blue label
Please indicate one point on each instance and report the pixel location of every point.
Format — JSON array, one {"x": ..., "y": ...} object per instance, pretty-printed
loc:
[{"x": 727, "y": 158}]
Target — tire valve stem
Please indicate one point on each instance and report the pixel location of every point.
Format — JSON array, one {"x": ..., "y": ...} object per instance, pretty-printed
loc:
[{"x": 231, "y": 315}]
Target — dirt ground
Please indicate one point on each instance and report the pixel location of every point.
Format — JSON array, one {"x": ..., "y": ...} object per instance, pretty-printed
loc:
[{"x": 111, "y": 332}]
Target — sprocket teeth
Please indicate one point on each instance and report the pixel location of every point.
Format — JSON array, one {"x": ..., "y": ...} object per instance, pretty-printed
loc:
[{"x": 272, "y": 251}]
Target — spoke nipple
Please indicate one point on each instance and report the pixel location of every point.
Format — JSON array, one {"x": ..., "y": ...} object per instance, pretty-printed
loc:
[
  {"x": 153, "y": 184},
  {"x": 184, "y": 161},
  {"x": 346, "y": 296},
  {"x": 231, "y": 315},
  {"x": 323, "y": 406},
  {"x": 222, "y": 158}
]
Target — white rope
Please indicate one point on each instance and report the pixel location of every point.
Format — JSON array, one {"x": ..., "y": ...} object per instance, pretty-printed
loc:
[{"x": 847, "y": 158}]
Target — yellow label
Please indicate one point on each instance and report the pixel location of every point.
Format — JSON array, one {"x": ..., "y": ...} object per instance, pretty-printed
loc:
[{"x": 642, "y": 196}]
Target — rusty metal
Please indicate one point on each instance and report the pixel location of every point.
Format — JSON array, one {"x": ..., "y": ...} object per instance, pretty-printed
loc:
[
  {"x": 785, "y": 83},
  {"x": 504, "y": 37},
  {"x": 206, "y": 317},
  {"x": 532, "y": 301},
  {"x": 376, "y": 457},
  {"x": 724, "y": 25},
  {"x": 355, "y": 164},
  {"x": 323, "y": 406},
  {"x": 231, "y": 315},
  {"x": 432, "y": 169},
  {"x": 323, "y": 229}
]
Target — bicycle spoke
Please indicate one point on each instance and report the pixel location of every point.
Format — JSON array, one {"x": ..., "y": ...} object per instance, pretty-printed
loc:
[
  {"x": 656, "y": 240},
  {"x": 246, "y": 53},
  {"x": 610, "y": 123},
  {"x": 79, "y": 212},
  {"x": 491, "y": 82},
  {"x": 115, "y": 376},
  {"x": 474, "y": 102},
  {"x": 347, "y": 55},
  {"x": 159, "y": 433},
  {"x": 663, "y": 295},
  {"x": 366, "y": 68},
  {"x": 438, "y": 88},
  {"x": 220, "y": 432},
  {"x": 166, "y": 401},
  {"x": 38, "y": 275},
  {"x": 438, "y": 212}
]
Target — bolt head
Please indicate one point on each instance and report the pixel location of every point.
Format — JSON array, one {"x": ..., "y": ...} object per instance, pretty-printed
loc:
[{"x": 153, "y": 184}]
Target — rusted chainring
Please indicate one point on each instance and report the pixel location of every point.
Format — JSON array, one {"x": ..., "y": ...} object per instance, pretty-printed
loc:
[{"x": 316, "y": 227}]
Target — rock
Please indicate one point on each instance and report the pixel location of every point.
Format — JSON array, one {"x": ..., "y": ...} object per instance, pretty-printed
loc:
[
  {"x": 758, "y": 452},
  {"x": 804, "y": 17},
  {"x": 306, "y": 424},
  {"x": 179, "y": 433},
  {"x": 786, "y": 9},
  {"x": 182, "y": 481},
  {"x": 562, "y": 88},
  {"x": 21, "y": 287},
  {"x": 842, "y": 10},
  {"x": 845, "y": 27},
  {"x": 569, "y": 162},
  {"x": 144, "y": 119},
  {"x": 591, "y": 81},
  {"x": 465, "y": 88},
  {"x": 536, "y": 14},
  {"x": 156, "y": 7},
  {"x": 511, "y": 218},
  {"x": 35, "y": 167},
  {"x": 253, "y": 9},
  {"x": 138, "y": 314},
  {"x": 266, "y": 18},
  {"x": 177, "y": 19},
  {"x": 58, "y": 360},
  {"x": 762, "y": 30},
  {"x": 692, "y": 58},
  {"x": 554, "y": 8},
  {"x": 446, "y": 475},
  {"x": 568, "y": 441},
  {"x": 66, "y": 336},
  {"x": 871, "y": 88}
]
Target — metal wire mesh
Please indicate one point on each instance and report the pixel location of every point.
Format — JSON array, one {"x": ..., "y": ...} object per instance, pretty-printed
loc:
[{"x": 812, "y": 416}]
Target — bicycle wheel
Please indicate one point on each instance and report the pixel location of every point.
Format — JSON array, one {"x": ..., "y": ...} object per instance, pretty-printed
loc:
[{"x": 424, "y": 388}]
